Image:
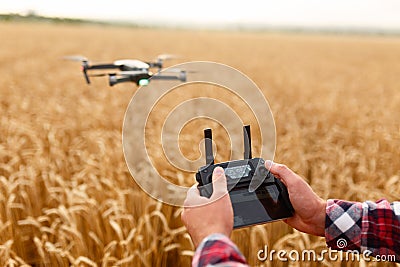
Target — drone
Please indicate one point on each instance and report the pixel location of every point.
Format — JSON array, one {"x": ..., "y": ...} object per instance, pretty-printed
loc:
[{"x": 130, "y": 70}]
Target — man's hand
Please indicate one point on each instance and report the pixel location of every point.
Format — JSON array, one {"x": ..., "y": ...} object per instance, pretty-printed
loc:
[
  {"x": 203, "y": 216},
  {"x": 309, "y": 216}
]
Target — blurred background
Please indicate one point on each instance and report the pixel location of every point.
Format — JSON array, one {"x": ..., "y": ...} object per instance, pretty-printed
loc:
[
  {"x": 329, "y": 70},
  {"x": 369, "y": 15}
]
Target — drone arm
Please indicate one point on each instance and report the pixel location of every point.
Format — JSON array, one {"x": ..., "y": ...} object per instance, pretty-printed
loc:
[
  {"x": 158, "y": 64},
  {"x": 181, "y": 77},
  {"x": 85, "y": 74},
  {"x": 86, "y": 67},
  {"x": 113, "y": 80}
]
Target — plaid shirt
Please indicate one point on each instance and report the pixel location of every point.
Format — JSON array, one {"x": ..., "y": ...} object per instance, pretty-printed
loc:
[
  {"x": 372, "y": 228},
  {"x": 219, "y": 251},
  {"x": 368, "y": 227}
]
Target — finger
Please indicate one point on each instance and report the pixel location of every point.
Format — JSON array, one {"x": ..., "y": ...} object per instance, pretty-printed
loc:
[
  {"x": 281, "y": 171},
  {"x": 219, "y": 183}
]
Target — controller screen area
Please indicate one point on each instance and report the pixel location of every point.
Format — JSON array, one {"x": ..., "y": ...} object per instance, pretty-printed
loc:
[
  {"x": 238, "y": 172},
  {"x": 263, "y": 205}
]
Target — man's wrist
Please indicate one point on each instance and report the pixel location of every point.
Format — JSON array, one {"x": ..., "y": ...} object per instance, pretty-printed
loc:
[
  {"x": 315, "y": 224},
  {"x": 321, "y": 218}
]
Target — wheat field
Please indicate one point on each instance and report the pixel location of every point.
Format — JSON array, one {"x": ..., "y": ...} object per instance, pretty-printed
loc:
[{"x": 66, "y": 195}]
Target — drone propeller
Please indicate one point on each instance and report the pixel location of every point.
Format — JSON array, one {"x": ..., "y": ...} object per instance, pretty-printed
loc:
[
  {"x": 85, "y": 65},
  {"x": 172, "y": 70},
  {"x": 158, "y": 62},
  {"x": 76, "y": 58},
  {"x": 163, "y": 57}
]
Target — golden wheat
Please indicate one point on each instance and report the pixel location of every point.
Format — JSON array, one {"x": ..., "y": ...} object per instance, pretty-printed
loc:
[{"x": 66, "y": 196}]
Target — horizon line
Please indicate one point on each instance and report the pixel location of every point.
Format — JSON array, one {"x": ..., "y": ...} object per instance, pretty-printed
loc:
[{"x": 229, "y": 26}]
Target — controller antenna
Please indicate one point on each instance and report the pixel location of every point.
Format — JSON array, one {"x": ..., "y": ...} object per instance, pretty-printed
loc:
[
  {"x": 209, "y": 147},
  {"x": 247, "y": 142}
]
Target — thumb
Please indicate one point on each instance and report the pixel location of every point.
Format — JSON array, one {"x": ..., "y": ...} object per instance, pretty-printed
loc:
[
  {"x": 219, "y": 183},
  {"x": 281, "y": 171}
]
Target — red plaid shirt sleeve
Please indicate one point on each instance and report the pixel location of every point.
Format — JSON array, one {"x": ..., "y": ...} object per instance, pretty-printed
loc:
[
  {"x": 218, "y": 250},
  {"x": 370, "y": 227}
]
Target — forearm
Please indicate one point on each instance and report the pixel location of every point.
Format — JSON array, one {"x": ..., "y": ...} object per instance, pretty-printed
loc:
[{"x": 218, "y": 250}]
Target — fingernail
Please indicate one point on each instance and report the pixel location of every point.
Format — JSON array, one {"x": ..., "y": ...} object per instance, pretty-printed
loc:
[{"x": 218, "y": 171}]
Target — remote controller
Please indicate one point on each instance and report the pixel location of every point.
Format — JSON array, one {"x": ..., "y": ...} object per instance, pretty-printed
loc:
[{"x": 257, "y": 196}]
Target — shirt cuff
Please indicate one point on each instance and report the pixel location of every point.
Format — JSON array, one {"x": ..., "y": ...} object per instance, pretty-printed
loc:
[
  {"x": 343, "y": 225},
  {"x": 218, "y": 249},
  {"x": 214, "y": 237}
]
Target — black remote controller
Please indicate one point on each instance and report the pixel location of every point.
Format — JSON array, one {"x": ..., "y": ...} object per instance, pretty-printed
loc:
[{"x": 257, "y": 196}]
